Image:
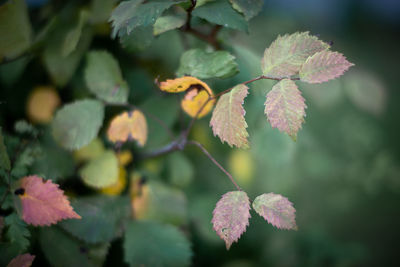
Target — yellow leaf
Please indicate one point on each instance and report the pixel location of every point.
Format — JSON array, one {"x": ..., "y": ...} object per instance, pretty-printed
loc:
[
  {"x": 182, "y": 84},
  {"x": 128, "y": 125},
  {"x": 42, "y": 103},
  {"x": 139, "y": 192},
  {"x": 241, "y": 166},
  {"x": 90, "y": 151},
  {"x": 119, "y": 186},
  {"x": 194, "y": 100},
  {"x": 124, "y": 157}
]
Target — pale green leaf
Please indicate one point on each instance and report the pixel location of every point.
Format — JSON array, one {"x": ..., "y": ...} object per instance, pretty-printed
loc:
[
  {"x": 62, "y": 250},
  {"x": 285, "y": 107},
  {"x": 78, "y": 123},
  {"x": 60, "y": 68},
  {"x": 287, "y": 54},
  {"x": 102, "y": 171},
  {"x": 204, "y": 65},
  {"x": 221, "y": 13},
  {"x": 249, "y": 8},
  {"x": 167, "y": 23},
  {"x": 15, "y": 29},
  {"x": 104, "y": 78},
  {"x": 154, "y": 244},
  {"x": 180, "y": 169},
  {"x": 74, "y": 35},
  {"x": 228, "y": 120}
]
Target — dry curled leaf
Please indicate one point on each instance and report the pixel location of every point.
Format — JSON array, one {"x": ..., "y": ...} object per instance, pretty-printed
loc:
[
  {"x": 196, "y": 99},
  {"x": 182, "y": 84},
  {"x": 128, "y": 125},
  {"x": 43, "y": 203}
]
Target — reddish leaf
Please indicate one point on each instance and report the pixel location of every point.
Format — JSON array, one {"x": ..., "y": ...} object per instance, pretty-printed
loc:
[
  {"x": 285, "y": 107},
  {"x": 228, "y": 117},
  {"x": 24, "y": 260},
  {"x": 287, "y": 53},
  {"x": 277, "y": 210},
  {"x": 324, "y": 66},
  {"x": 43, "y": 203},
  {"x": 231, "y": 216}
]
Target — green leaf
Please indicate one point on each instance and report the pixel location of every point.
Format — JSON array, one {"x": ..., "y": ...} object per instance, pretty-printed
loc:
[
  {"x": 104, "y": 78},
  {"x": 287, "y": 54},
  {"x": 25, "y": 160},
  {"x": 221, "y": 12},
  {"x": 15, "y": 29},
  {"x": 167, "y": 23},
  {"x": 62, "y": 250},
  {"x": 154, "y": 244},
  {"x": 100, "y": 10},
  {"x": 76, "y": 124},
  {"x": 101, "y": 171},
  {"x": 74, "y": 35},
  {"x": 17, "y": 232},
  {"x": 164, "y": 204},
  {"x": 60, "y": 68},
  {"x": 102, "y": 218},
  {"x": 180, "y": 169},
  {"x": 249, "y": 8},
  {"x": 132, "y": 14},
  {"x": 4, "y": 159},
  {"x": 204, "y": 65},
  {"x": 24, "y": 127},
  {"x": 138, "y": 40}
]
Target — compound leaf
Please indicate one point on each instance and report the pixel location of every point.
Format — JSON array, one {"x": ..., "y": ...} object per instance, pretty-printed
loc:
[
  {"x": 231, "y": 216},
  {"x": 43, "y": 203},
  {"x": 154, "y": 244},
  {"x": 127, "y": 126},
  {"x": 285, "y": 107},
  {"x": 78, "y": 123},
  {"x": 24, "y": 260},
  {"x": 17, "y": 232},
  {"x": 287, "y": 53},
  {"x": 104, "y": 79},
  {"x": 204, "y": 65},
  {"x": 277, "y": 210},
  {"x": 228, "y": 120},
  {"x": 101, "y": 171},
  {"x": 324, "y": 66},
  {"x": 221, "y": 13}
]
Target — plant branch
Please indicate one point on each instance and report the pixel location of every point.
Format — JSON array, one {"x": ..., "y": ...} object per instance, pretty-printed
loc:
[
  {"x": 210, "y": 38},
  {"x": 202, "y": 148}
]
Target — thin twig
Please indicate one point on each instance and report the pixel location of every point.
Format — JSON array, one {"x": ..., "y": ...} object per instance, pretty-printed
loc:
[{"x": 202, "y": 148}]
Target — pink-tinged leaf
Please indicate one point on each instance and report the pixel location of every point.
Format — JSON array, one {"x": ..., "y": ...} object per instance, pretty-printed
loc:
[
  {"x": 43, "y": 203},
  {"x": 324, "y": 66},
  {"x": 228, "y": 121},
  {"x": 231, "y": 216},
  {"x": 277, "y": 210},
  {"x": 285, "y": 107},
  {"x": 24, "y": 260},
  {"x": 287, "y": 53}
]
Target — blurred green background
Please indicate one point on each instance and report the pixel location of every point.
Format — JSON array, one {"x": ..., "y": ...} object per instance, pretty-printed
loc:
[{"x": 342, "y": 174}]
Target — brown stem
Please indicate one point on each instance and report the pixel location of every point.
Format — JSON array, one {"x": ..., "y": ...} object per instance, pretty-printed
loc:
[{"x": 202, "y": 148}]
